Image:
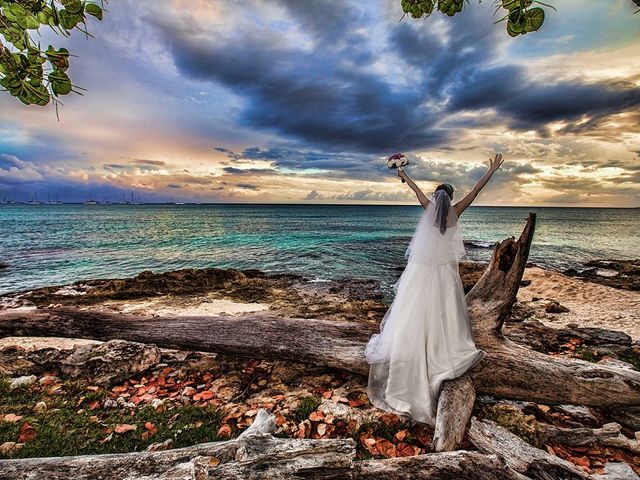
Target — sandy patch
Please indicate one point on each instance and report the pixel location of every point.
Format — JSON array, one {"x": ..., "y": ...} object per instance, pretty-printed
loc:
[
  {"x": 589, "y": 304},
  {"x": 39, "y": 343},
  {"x": 184, "y": 306}
]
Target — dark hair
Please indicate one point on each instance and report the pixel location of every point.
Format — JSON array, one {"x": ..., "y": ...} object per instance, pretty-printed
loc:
[{"x": 447, "y": 187}]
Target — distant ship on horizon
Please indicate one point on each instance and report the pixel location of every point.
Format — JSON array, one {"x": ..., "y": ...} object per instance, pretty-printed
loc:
[{"x": 33, "y": 201}]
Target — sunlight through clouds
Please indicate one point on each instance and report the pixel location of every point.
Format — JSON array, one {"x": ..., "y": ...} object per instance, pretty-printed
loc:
[{"x": 287, "y": 101}]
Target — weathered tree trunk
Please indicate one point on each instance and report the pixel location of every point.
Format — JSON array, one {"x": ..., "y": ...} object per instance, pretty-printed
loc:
[
  {"x": 610, "y": 435},
  {"x": 532, "y": 462},
  {"x": 509, "y": 370},
  {"x": 256, "y": 454},
  {"x": 455, "y": 404},
  {"x": 318, "y": 342},
  {"x": 455, "y": 465}
]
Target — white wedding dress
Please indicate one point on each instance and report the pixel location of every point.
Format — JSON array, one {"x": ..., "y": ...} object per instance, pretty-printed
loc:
[{"x": 425, "y": 336}]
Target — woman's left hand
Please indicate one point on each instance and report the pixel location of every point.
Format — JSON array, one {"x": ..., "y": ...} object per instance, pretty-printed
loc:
[{"x": 494, "y": 164}]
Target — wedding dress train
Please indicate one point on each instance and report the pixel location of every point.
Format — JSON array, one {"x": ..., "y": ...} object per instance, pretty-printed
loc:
[{"x": 425, "y": 336}]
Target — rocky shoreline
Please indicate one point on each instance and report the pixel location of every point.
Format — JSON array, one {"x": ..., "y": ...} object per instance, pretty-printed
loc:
[
  {"x": 125, "y": 383},
  {"x": 613, "y": 273}
]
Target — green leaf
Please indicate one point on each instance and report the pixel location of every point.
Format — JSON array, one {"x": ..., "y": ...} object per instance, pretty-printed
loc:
[
  {"x": 94, "y": 10},
  {"x": 533, "y": 19},
  {"x": 60, "y": 82},
  {"x": 72, "y": 6},
  {"x": 59, "y": 59},
  {"x": 510, "y": 4},
  {"x": 68, "y": 20},
  {"x": 43, "y": 17},
  {"x": 514, "y": 29}
]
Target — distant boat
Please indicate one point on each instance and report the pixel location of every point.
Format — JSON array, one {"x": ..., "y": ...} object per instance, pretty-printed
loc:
[
  {"x": 133, "y": 201},
  {"x": 52, "y": 202},
  {"x": 33, "y": 201}
]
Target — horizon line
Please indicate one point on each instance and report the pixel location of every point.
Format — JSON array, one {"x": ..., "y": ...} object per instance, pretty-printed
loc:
[{"x": 108, "y": 203}]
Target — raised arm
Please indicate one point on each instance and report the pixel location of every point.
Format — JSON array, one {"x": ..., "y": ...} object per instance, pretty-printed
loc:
[
  {"x": 422, "y": 198},
  {"x": 494, "y": 164}
]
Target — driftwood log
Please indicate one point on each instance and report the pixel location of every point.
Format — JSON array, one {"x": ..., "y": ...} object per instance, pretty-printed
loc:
[
  {"x": 509, "y": 371},
  {"x": 455, "y": 404},
  {"x": 532, "y": 462},
  {"x": 256, "y": 454}
]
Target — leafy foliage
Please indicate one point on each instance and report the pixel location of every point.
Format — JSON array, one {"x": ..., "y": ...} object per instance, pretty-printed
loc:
[
  {"x": 33, "y": 75},
  {"x": 522, "y": 17}
]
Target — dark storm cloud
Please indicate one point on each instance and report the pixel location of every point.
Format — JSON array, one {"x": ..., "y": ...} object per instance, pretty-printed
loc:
[
  {"x": 313, "y": 96},
  {"x": 248, "y": 171},
  {"x": 247, "y": 186},
  {"x": 329, "y": 164},
  {"x": 325, "y": 97},
  {"x": 361, "y": 167},
  {"x": 143, "y": 161},
  {"x": 534, "y": 108}
]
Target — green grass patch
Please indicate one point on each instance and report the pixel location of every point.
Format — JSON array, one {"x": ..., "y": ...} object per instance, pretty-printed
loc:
[
  {"x": 307, "y": 405},
  {"x": 585, "y": 354},
  {"x": 631, "y": 357},
  {"x": 69, "y": 427}
]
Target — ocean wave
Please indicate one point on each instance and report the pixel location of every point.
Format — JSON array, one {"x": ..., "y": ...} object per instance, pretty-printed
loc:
[{"x": 478, "y": 244}]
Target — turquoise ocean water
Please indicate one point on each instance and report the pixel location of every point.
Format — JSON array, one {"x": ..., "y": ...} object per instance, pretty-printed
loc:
[{"x": 58, "y": 244}]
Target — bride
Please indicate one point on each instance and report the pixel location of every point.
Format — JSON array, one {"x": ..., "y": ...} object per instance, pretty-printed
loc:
[{"x": 425, "y": 336}]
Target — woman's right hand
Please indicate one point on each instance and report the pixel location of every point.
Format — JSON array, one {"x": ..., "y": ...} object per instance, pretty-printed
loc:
[{"x": 402, "y": 174}]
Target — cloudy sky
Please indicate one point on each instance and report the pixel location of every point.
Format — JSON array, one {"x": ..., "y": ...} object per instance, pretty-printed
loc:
[{"x": 301, "y": 101}]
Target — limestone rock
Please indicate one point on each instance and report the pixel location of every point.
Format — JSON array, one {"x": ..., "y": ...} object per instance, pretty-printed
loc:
[
  {"x": 24, "y": 381},
  {"x": 618, "y": 471},
  {"x": 110, "y": 362}
]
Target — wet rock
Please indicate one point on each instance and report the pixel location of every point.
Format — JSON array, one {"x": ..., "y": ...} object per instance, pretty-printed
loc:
[
  {"x": 15, "y": 302},
  {"x": 146, "y": 284},
  {"x": 553, "y": 306},
  {"x": 23, "y": 381},
  {"x": 110, "y": 362},
  {"x": 357, "y": 289},
  {"x": 624, "y": 274}
]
